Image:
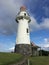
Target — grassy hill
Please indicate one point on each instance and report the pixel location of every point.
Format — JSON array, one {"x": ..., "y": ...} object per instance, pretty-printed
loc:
[
  {"x": 41, "y": 60},
  {"x": 9, "y": 58},
  {"x": 12, "y": 58}
]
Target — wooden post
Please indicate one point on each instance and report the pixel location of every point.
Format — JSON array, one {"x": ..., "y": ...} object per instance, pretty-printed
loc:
[{"x": 28, "y": 62}]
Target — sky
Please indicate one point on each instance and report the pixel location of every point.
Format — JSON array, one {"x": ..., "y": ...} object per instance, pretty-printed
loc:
[{"x": 39, "y": 25}]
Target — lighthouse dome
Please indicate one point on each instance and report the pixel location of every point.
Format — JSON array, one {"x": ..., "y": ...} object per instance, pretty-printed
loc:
[
  {"x": 23, "y": 11},
  {"x": 23, "y": 15}
]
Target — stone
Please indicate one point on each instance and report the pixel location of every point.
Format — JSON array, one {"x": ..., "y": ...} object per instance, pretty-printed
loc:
[{"x": 24, "y": 49}]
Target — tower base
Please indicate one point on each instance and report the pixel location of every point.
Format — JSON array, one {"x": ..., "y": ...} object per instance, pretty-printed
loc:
[{"x": 24, "y": 49}]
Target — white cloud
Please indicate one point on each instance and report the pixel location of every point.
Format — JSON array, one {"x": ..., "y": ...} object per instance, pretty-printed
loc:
[
  {"x": 33, "y": 24},
  {"x": 11, "y": 49},
  {"x": 45, "y": 44},
  {"x": 8, "y": 11},
  {"x": 46, "y": 40},
  {"x": 11, "y": 5},
  {"x": 45, "y": 23}
]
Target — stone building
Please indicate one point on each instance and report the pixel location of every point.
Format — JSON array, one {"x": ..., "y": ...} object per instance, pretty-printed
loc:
[{"x": 35, "y": 49}]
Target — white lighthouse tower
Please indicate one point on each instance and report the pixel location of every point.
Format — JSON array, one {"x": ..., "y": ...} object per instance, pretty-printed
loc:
[{"x": 23, "y": 39}]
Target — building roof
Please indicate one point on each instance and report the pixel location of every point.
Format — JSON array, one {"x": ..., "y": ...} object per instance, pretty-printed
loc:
[{"x": 34, "y": 45}]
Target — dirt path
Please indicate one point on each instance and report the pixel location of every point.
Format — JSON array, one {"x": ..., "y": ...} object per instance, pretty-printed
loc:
[{"x": 22, "y": 62}]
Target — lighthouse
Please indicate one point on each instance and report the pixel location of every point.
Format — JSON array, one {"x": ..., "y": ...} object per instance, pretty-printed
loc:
[{"x": 23, "y": 45}]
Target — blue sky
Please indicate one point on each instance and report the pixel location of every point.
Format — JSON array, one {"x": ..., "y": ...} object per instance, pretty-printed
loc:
[{"x": 39, "y": 26}]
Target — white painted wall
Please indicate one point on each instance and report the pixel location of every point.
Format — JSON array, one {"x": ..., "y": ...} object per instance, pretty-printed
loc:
[{"x": 22, "y": 35}]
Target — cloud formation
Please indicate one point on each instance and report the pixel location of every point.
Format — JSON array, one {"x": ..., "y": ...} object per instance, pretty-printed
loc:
[
  {"x": 8, "y": 11},
  {"x": 45, "y": 44},
  {"x": 11, "y": 49},
  {"x": 43, "y": 25}
]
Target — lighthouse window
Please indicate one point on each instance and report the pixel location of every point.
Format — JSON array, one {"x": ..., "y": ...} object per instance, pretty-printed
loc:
[
  {"x": 25, "y": 14},
  {"x": 27, "y": 30}
]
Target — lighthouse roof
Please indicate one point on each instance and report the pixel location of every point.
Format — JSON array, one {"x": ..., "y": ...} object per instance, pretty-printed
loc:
[
  {"x": 23, "y": 14},
  {"x": 22, "y": 8}
]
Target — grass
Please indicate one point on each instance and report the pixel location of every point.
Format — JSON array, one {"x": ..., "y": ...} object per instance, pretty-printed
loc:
[
  {"x": 41, "y": 60},
  {"x": 9, "y": 58}
]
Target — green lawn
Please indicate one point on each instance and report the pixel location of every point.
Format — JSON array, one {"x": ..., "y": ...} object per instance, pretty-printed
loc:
[
  {"x": 8, "y": 58},
  {"x": 41, "y": 60}
]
